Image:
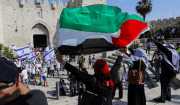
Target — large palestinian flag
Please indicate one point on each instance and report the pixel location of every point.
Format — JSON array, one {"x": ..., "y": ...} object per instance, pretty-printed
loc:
[{"x": 96, "y": 28}]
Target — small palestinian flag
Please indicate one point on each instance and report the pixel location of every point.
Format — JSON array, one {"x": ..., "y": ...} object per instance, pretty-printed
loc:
[{"x": 96, "y": 28}]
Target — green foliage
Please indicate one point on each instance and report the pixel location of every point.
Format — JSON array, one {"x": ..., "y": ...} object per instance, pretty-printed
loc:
[
  {"x": 6, "y": 51},
  {"x": 143, "y": 7},
  {"x": 1, "y": 47}
]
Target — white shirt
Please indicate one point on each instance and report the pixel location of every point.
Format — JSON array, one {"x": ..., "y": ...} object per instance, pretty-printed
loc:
[
  {"x": 38, "y": 65},
  {"x": 18, "y": 64},
  {"x": 58, "y": 65},
  {"x": 43, "y": 72},
  {"x": 33, "y": 70},
  {"x": 24, "y": 74},
  {"x": 27, "y": 67}
]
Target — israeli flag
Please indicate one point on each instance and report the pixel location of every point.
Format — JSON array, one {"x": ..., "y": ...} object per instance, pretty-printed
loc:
[
  {"x": 48, "y": 55},
  {"x": 23, "y": 52},
  {"x": 32, "y": 56}
]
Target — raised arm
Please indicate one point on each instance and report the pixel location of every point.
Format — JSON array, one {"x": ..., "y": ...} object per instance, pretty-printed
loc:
[
  {"x": 162, "y": 48},
  {"x": 79, "y": 75}
]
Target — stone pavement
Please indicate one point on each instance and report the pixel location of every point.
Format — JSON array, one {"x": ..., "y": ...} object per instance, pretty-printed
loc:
[{"x": 66, "y": 100}]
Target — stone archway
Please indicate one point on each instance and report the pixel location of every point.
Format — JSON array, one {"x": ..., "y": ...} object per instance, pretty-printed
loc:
[{"x": 40, "y": 35}]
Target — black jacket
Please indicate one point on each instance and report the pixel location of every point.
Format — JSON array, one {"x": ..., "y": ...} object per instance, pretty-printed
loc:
[
  {"x": 167, "y": 69},
  {"x": 34, "y": 97},
  {"x": 96, "y": 92}
]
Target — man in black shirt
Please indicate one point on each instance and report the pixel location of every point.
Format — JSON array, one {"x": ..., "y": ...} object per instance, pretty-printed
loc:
[
  {"x": 169, "y": 69},
  {"x": 12, "y": 91}
]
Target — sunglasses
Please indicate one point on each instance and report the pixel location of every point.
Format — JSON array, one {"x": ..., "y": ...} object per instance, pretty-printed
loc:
[{"x": 5, "y": 85}]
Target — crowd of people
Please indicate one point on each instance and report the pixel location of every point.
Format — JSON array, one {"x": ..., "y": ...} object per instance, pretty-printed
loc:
[
  {"x": 13, "y": 91},
  {"x": 36, "y": 73},
  {"x": 98, "y": 89},
  {"x": 101, "y": 87}
]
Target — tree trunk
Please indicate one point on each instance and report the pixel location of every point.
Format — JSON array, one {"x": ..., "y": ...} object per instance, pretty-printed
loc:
[{"x": 144, "y": 17}]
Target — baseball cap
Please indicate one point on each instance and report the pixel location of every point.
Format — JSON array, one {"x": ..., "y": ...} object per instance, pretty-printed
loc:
[{"x": 8, "y": 71}]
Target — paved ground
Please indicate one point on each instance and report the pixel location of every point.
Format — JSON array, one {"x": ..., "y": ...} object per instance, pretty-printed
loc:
[{"x": 66, "y": 100}]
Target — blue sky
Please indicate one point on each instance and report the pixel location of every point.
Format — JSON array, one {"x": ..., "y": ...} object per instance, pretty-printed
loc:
[{"x": 161, "y": 8}]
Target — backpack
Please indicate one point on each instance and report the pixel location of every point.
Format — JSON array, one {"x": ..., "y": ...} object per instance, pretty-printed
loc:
[{"x": 136, "y": 73}]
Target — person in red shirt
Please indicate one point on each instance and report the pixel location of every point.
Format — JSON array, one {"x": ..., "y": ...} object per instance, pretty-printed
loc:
[{"x": 99, "y": 86}]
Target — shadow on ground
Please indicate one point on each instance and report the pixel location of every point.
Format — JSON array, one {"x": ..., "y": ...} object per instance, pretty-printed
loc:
[
  {"x": 176, "y": 97},
  {"x": 52, "y": 98},
  {"x": 118, "y": 102},
  {"x": 151, "y": 101},
  {"x": 175, "y": 100},
  {"x": 52, "y": 93}
]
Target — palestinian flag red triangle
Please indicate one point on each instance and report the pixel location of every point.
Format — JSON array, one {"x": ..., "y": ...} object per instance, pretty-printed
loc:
[
  {"x": 96, "y": 28},
  {"x": 130, "y": 30}
]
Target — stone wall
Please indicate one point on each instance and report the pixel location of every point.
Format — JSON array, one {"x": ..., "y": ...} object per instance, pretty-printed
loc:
[
  {"x": 1, "y": 24},
  {"x": 90, "y": 2},
  {"x": 18, "y": 17},
  {"x": 18, "y": 20}
]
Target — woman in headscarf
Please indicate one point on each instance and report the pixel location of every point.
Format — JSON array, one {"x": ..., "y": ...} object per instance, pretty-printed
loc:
[
  {"x": 136, "y": 93},
  {"x": 99, "y": 86},
  {"x": 137, "y": 62}
]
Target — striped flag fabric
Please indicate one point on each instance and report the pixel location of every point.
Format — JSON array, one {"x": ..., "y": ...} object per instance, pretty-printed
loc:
[
  {"x": 48, "y": 55},
  {"x": 23, "y": 52},
  {"x": 96, "y": 28},
  {"x": 32, "y": 56}
]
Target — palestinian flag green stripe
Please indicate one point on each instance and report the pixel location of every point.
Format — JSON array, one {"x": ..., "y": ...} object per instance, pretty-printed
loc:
[
  {"x": 96, "y": 28},
  {"x": 108, "y": 19}
]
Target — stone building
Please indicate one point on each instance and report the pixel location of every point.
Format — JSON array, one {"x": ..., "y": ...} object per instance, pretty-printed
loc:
[
  {"x": 164, "y": 23},
  {"x": 22, "y": 20},
  {"x": 90, "y": 2},
  {"x": 25, "y": 21}
]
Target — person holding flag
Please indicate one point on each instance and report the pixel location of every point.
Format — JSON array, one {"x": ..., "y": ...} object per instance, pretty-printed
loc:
[
  {"x": 92, "y": 29},
  {"x": 170, "y": 67},
  {"x": 99, "y": 86},
  {"x": 96, "y": 28}
]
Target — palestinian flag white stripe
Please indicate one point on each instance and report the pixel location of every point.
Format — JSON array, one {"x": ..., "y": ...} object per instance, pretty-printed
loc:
[
  {"x": 72, "y": 37},
  {"x": 96, "y": 28}
]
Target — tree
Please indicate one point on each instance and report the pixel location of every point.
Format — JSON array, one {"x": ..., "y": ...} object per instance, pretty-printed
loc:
[
  {"x": 144, "y": 7},
  {"x": 6, "y": 52},
  {"x": 74, "y": 3},
  {"x": 1, "y": 47}
]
